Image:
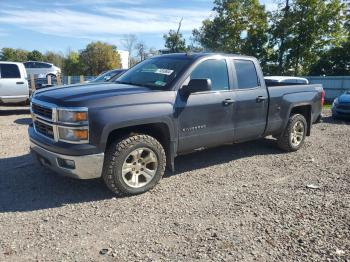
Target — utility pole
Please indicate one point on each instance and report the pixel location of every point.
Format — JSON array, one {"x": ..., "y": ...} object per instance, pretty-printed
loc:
[{"x": 282, "y": 47}]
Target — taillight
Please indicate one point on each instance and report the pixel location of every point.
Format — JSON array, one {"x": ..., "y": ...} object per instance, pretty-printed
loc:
[{"x": 322, "y": 97}]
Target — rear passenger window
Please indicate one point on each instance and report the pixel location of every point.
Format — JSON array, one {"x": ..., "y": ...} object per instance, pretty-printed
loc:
[
  {"x": 215, "y": 70},
  {"x": 44, "y": 65},
  {"x": 9, "y": 71},
  {"x": 246, "y": 74}
]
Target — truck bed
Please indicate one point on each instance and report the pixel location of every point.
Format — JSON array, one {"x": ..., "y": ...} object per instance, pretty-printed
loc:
[{"x": 281, "y": 97}]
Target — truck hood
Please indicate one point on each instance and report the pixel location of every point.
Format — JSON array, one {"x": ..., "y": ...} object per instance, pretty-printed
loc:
[
  {"x": 88, "y": 94},
  {"x": 345, "y": 98}
]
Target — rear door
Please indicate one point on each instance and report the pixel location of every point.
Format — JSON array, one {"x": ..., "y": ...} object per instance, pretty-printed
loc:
[
  {"x": 251, "y": 109},
  {"x": 11, "y": 82},
  {"x": 205, "y": 119}
]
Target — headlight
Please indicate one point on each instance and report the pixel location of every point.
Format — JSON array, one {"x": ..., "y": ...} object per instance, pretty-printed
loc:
[
  {"x": 70, "y": 116},
  {"x": 73, "y": 135}
]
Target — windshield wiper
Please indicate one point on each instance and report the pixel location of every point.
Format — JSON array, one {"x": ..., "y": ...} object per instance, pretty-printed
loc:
[
  {"x": 133, "y": 84},
  {"x": 128, "y": 83}
]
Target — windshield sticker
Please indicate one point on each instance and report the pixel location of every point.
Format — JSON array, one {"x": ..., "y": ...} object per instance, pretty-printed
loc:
[
  {"x": 164, "y": 71},
  {"x": 160, "y": 83}
]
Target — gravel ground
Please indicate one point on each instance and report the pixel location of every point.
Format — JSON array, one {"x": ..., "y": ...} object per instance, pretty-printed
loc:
[{"x": 242, "y": 202}]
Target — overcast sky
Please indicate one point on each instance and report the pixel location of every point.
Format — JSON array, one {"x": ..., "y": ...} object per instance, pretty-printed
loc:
[{"x": 60, "y": 25}]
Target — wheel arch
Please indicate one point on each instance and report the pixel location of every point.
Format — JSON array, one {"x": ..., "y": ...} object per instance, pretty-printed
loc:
[
  {"x": 306, "y": 111},
  {"x": 159, "y": 130}
]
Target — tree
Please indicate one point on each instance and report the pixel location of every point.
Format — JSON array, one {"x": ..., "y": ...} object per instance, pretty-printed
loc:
[
  {"x": 129, "y": 42},
  {"x": 72, "y": 65},
  {"x": 54, "y": 58},
  {"x": 174, "y": 40},
  {"x": 239, "y": 26},
  {"x": 35, "y": 55},
  {"x": 98, "y": 57},
  {"x": 14, "y": 55},
  {"x": 334, "y": 62},
  {"x": 141, "y": 50},
  {"x": 309, "y": 28}
]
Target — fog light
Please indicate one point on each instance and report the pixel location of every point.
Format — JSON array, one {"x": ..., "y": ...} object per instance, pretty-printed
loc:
[{"x": 65, "y": 163}]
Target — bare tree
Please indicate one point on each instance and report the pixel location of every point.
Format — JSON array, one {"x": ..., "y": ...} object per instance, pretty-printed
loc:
[
  {"x": 141, "y": 50},
  {"x": 128, "y": 42}
]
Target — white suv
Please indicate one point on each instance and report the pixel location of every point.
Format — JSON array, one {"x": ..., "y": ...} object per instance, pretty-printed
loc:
[
  {"x": 13, "y": 83},
  {"x": 41, "y": 69}
]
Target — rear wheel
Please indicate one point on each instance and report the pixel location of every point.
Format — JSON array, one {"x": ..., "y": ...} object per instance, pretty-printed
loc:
[
  {"x": 294, "y": 135},
  {"x": 134, "y": 165}
]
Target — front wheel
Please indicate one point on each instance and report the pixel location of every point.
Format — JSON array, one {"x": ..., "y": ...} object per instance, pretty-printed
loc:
[
  {"x": 294, "y": 135},
  {"x": 134, "y": 165}
]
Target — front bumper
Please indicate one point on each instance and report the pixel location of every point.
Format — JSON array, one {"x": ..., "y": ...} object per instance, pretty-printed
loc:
[
  {"x": 85, "y": 167},
  {"x": 336, "y": 112}
]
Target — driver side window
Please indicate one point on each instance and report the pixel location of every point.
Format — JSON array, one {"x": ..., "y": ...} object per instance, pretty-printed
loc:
[{"x": 215, "y": 70}]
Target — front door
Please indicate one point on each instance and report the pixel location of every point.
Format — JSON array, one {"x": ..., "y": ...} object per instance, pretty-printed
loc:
[
  {"x": 205, "y": 118},
  {"x": 252, "y": 101}
]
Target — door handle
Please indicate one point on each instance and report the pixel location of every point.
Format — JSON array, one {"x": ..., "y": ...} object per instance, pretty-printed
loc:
[
  {"x": 19, "y": 83},
  {"x": 228, "y": 102},
  {"x": 260, "y": 99}
]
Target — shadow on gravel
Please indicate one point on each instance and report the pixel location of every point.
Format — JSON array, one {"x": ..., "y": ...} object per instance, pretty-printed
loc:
[
  {"x": 23, "y": 121},
  {"x": 223, "y": 154},
  {"x": 14, "y": 111},
  {"x": 26, "y": 186},
  {"x": 336, "y": 121}
]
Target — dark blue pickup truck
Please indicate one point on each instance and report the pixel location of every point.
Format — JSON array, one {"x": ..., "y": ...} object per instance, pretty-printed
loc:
[{"x": 130, "y": 130}]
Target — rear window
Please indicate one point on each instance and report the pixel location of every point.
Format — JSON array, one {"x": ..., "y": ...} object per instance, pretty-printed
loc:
[
  {"x": 246, "y": 74},
  {"x": 43, "y": 65},
  {"x": 9, "y": 71}
]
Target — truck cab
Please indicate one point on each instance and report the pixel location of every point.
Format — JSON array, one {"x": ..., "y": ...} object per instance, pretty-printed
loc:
[{"x": 13, "y": 83}]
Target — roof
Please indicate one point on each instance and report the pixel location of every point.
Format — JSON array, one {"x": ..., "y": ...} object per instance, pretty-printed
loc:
[
  {"x": 9, "y": 62},
  {"x": 199, "y": 55},
  {"x": 280, "y": 78}
]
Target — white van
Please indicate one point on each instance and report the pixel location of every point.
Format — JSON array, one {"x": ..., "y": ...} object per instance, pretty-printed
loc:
[{"x": 13, "y": 83}]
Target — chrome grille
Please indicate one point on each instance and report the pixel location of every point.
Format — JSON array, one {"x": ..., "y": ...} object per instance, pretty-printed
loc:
[
  {"x": 42, "y": 111},
  {"x": 44, "y": 129}
]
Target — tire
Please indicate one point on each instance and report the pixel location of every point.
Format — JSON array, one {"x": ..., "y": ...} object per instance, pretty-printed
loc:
[
  {"x": 285, "y": 141},
  {"x": 121, "y": 157}
]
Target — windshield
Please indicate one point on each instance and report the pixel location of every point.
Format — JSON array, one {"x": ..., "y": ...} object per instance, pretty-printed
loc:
[{"x": 155, "y": 73}]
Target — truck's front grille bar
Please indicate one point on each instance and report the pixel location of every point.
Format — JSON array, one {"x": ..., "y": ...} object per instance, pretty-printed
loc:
[
  {"x": 42, "y": 111},
  {"x": 44, "y": 129}
]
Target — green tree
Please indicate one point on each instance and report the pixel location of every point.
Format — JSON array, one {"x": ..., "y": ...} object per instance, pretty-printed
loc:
[
  {"x": 334, "y": 62},
  {"x": 239, "y": 26},
  {"x": 175, "y": 42},
  {"x": 98, "y": 57},
  {"x": 35, "y": 55},
  {"x": 54, "y": 58},
  {"x": 302, "y": 34},
  {"x": 15, "y": 55},
  {"x": 72, "y": 65}
]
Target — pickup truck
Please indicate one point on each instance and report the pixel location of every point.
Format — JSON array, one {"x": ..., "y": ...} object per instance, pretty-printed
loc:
[
  {"x": 13, "y": 83},
  {"x": 130, "y": 130}
]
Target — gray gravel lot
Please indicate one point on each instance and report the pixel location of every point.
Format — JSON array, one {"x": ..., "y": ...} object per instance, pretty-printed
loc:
[{"x": 242, "y": 202}]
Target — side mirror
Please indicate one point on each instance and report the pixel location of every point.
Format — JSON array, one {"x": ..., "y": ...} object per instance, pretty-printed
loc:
[{"x": 196, "y": 85}]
